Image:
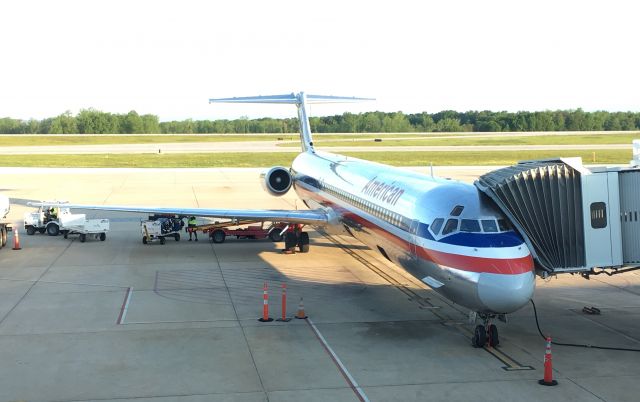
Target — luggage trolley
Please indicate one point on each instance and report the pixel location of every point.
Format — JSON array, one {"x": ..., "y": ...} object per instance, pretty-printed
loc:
[{"x": 160, "y": 227}]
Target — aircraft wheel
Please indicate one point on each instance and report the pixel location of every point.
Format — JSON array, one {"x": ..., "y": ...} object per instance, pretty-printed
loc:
[
  {"x": 493, "y": 336},
  {"x": 303, "y": 242},
  {"x": 218, "y": 236},
  {"x": 479, "y": 337},
  {"x": 103, "y": 236},
  {"x": 53, "y": 229},
  {"x": 162, "y": 240},
  {"x": 3, "y": 237},
  {"x": 144, "y": 239},
  {"x": 31, "y": 230},
  {"x": 83, "y": 237},
  {"x": 290, "y": 241},
  {"x": 177, "y": 236}
]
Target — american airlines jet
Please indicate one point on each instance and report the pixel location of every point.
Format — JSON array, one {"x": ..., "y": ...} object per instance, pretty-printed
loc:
[{"x": 444, "y": 232}]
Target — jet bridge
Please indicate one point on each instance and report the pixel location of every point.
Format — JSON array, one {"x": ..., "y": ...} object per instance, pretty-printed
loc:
[{"x": 573, "y": 218}]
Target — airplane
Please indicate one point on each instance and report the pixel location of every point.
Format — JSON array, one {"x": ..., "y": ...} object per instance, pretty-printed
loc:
[{"x": 446, "y": 233}]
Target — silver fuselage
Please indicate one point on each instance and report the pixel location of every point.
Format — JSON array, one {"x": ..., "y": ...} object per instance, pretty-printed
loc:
[{"x": 477, "y": 265}]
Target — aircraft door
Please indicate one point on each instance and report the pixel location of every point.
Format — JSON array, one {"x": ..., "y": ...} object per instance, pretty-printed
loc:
[{"x": 415, "y": 224}]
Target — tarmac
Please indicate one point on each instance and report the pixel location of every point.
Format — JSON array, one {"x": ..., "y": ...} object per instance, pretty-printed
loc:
[{"x": 122, "y": 321}]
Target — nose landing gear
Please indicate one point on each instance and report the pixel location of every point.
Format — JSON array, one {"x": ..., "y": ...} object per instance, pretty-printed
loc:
[{"x": 485, "y": 334}]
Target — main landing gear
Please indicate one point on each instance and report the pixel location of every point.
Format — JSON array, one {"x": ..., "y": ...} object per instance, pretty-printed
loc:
[
  {"x": 296, "y": 239},
  {"x": 485, "y": 334}
]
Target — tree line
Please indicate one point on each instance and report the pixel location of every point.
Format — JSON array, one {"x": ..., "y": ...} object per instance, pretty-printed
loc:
[{"x": 91, "y": 121}]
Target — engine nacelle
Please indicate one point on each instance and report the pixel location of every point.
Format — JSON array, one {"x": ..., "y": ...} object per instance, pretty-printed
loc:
[{"x": 276, "y": 181}]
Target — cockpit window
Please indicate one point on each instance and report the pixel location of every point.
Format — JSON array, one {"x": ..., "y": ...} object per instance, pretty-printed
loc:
[
  {"x": 436, "y": 225},
  {"x": 504, "y": 225},
  {"x": 450, "y": 226},
  {"x": 469, "y": 225},
  {"x": 489, "y": 225},
  {"x": 457, "y": 210}
]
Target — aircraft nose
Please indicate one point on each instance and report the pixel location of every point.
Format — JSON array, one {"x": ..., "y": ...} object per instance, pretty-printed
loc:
[{"x": 500, "y": 293}]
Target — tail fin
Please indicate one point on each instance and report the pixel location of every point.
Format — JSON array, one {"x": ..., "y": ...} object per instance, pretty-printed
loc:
[{"x": 300, "y": 100}]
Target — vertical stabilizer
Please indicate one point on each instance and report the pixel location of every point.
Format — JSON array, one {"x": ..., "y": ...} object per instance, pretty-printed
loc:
[{"x": 301, "y": 100}]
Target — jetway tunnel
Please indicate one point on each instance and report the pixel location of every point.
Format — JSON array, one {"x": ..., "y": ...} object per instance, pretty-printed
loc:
[{"x": 573, "y": 219}]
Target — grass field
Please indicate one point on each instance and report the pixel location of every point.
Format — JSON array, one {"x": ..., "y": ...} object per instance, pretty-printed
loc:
[{"x": 285, "y": 159}]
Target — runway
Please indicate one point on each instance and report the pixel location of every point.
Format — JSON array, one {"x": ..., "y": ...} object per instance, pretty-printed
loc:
[
  {"x": 274, "y": 146},
  {"x": 122, "y": 321}
]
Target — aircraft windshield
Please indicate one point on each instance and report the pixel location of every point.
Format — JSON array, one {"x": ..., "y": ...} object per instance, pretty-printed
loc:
[{"x": 454, "y": 225}]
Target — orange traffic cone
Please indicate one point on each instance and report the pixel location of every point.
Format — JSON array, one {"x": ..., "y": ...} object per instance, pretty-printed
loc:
[
  {"x": 16, "y": 240},
  {"x": 301, "y": 315},
  {"x": 548, "y": 367}
]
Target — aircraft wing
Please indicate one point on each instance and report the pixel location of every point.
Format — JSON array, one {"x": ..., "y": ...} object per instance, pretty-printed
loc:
[{"x": 309, "y": 217}]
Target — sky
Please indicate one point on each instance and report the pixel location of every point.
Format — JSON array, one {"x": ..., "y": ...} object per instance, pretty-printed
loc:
[{"x": 168, "y": 58}]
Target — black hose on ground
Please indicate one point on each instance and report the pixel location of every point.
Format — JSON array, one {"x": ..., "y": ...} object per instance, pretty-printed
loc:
[{"x": 577, "y": 345}]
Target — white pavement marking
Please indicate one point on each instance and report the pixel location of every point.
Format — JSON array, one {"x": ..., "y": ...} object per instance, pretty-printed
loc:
[{"x": 345, "y": 373}]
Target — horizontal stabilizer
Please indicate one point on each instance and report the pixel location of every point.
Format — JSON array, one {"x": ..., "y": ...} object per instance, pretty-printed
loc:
[
  {"x": 292, "y": 98},
  {"x": 300, "y": 100}
]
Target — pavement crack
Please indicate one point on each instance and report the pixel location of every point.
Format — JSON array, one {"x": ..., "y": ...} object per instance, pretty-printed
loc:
[{"x": 35, "y": 283}]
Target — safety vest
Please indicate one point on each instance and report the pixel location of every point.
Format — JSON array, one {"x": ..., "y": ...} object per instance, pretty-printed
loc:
[{"x": 192, "y": 222}]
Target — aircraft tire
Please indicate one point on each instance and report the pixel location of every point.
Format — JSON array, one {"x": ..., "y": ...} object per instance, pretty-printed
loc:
[
  {"x": 103, "y": 236},
  {"x": 83, "y": 237},
  {"x": 494, "y": 340},
  {"x": 162, "y": 240},
  {"x": 303, "y": 242},
  {"x": 3, "y": 237},
  {"x": 479, "y": 337},
  {"x": 290, "y": 241}
]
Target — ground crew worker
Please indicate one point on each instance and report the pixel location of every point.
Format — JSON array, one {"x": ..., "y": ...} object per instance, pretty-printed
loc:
[
  {"x": 191, "y": 224},
  {"x": 53, "y": 214}
]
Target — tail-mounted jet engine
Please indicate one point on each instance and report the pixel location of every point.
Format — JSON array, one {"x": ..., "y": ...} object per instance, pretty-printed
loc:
[{"x": 276, "y": 181}]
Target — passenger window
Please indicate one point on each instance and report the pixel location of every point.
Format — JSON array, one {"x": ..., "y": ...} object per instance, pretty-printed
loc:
[
  {"x": 489, "y": 225},
  {"x": 503, "y": 225},
  {"x": 450, "y": 226},
  {"x": 457, "y": 210},
  {"x": 469, "y": 225},
  {"x": 436, "y": 225}
]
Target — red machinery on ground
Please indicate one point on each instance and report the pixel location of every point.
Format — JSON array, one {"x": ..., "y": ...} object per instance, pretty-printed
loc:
[{"x": 292, "y": 234}]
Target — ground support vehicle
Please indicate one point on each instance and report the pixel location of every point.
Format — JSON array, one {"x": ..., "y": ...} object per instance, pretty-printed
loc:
[
  {"x": 42, "y": 220},
  {"x": 4, "y": 225},
  {"x": 71, "y": 224},
  {"x": 159, "y": 228},
  {"x": 246, "y": 229},
  {"x": 242, "y": 229}
]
